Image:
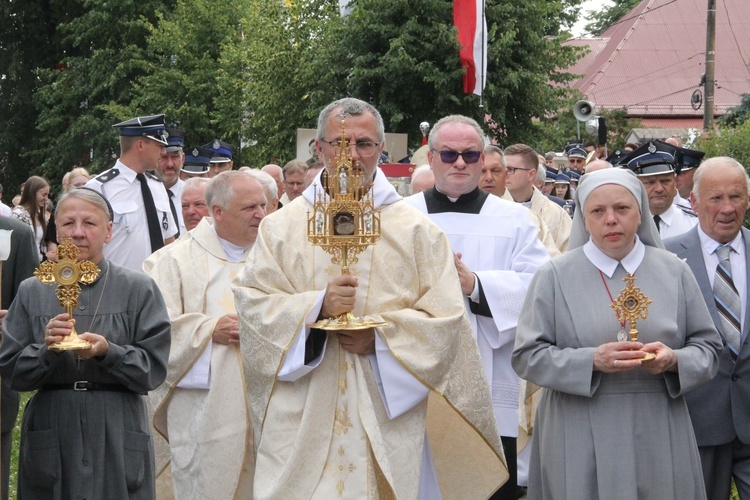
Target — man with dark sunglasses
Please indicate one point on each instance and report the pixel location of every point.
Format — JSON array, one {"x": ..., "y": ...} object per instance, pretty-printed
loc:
[
  {"x": 577, "y": 158},
  {"x": 497, "y": 252}
]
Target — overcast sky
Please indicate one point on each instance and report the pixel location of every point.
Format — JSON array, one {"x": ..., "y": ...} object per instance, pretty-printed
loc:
[{"x": 587, "y": 6}]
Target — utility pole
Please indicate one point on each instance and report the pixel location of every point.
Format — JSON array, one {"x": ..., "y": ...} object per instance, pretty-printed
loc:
[{"x": 708, "y": 110}]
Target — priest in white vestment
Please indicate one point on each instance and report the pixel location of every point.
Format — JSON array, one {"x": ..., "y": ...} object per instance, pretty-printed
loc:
[
  {"x": 522, "y": 164},
  {"x": 201, "y": 409},
  {"x": 400, "y": 411},
  {"x": 497, "y": 253}
]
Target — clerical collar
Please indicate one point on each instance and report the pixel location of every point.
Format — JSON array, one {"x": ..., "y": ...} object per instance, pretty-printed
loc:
[
  {"x": 608, "y": 265},
  {"x": 464, "y": 199}
]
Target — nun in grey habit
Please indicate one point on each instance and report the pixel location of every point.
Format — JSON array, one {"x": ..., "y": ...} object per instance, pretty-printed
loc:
[
  {"x": 85, "y": 433},
  {"x": 610, "y": 425}
]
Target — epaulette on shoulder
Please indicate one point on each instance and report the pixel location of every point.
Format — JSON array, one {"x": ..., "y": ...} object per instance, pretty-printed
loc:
[
  {"x": 153, "y": 176},
  {"x": 687, "y": 210},
  {"x": 108, "y": 175}
]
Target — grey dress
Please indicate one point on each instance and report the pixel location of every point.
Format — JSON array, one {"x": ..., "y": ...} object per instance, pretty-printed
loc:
[
  {"x": 623, "y": 435},
  {"x": 88, "y": 444}
]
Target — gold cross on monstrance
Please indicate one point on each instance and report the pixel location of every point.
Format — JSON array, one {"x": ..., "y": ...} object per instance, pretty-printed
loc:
[
  {"x": 67, "y": 272},
  {"x": 632, "y": 304},
  {"x": 344, "y": 222}
]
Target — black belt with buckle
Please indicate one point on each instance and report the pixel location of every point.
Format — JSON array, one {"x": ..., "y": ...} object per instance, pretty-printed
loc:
[{"x": 83, "y": 385}]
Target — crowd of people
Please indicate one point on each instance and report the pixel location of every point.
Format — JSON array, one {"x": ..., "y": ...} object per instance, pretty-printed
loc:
[{"x": 509, "y": 284}]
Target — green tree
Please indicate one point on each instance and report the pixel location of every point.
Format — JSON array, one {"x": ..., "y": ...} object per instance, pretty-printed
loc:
[
  {"x": 727, "y": 141},
  {"x": 272, "y": 81},
  {"x": 182, "y": 66},
  {"x": 601, "y": 20},
  {"x": 104, "y": 53},
  {"x": 28, "y": 40},
  {"x": 403, "y": 57},
  {"x": 738, "y": 114}
]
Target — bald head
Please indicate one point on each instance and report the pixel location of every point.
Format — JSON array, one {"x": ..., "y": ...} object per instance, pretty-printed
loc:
[
  {"x": 269, "y": 189},
  {"x": 194, "y": 206},
  {"x": 422, "y": 179},
  {"x": 276, "y": 172},
  {"x": 597, "y": 165}
]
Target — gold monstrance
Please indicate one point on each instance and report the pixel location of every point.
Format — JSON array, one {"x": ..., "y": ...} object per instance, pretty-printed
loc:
[
  {"x": 68, "y": 273},
  {"x": 344, "y": 223},
  {"x": 632, "y": 304}
]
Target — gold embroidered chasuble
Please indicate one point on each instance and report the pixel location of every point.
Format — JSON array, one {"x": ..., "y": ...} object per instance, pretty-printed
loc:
[
  {"x": 558, "y": 221},
  {"x": 302, "y": 427},
  {"x": 203, "y": 438}
]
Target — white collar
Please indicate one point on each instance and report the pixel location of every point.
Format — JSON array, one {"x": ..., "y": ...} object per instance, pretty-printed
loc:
[
  {"x": 607, "y": 264},
  {"x": 710, "y": 244},
  {"x": 125, "y": 171},
  {"x": 668, "y": 215}
]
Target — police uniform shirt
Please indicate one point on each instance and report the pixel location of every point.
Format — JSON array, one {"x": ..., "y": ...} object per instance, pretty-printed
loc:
[
  {"x": 130, "y": 244},
  {"x": 681, "y": 202},
  {"x": 675, "y": 221},
  {"x": 177, "y": 200}
]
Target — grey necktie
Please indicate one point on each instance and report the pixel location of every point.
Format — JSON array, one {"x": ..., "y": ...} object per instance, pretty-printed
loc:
[{"x": 727, "y": 301}]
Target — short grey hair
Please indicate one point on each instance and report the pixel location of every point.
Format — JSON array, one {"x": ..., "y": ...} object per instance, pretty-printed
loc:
[
  {"x": 219, "y": 190},
  {"x": 89, "y": 195},
  {"x": 194, "y": 183},
  {"x": 712, "y": 162},
  {"x": 293, "y": 167},
  {"x": 541, "y": 173},
  {"x": 349, "y": 106},
  {"x": 493, "y": 149},
  {"x": 268, "y": 183},
  {"x": 465, "y": 120}
]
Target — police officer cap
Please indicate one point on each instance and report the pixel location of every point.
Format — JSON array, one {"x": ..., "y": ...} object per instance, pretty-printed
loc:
[
  {"x": 145, "y": 126},
  {"x": 577, "y": 152},
  {"x": 572, "y": 144},
  {"x": 221, "y": 151},
  {"x": 551, "y": 174},
  {"x": 562, "y": 179},
  {"x": 197, "y": 160},
  {"x": 688, "y": 159},
  {"x": 616, "y": 157},
  {"x": 652, "y": 158},
  {"x": 175, "y": 140},
  {"x": 574, "y": 176}
]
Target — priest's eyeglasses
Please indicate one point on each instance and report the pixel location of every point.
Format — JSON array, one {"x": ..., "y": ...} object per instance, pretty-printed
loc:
[
  {"x": 365, "y": 149},
  {"x": 512, "y": 170},
  {"x": 452, "y": 156}
]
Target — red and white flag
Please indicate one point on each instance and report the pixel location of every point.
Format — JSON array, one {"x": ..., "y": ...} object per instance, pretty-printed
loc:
[{"x": 468, "y": 17}]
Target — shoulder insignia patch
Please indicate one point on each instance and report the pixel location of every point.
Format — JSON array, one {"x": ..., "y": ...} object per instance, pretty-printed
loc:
[
  {"x": 688, "y": 211},
  {"x": 152, "y": 176},
  {"x": 107, "y": 175}
]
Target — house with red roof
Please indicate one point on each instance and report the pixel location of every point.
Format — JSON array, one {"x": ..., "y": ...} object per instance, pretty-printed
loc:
[{"x": 652, "y": 62}]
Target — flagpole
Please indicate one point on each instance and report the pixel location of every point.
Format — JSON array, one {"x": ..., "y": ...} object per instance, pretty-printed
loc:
[{"x": 484, "y": 55}]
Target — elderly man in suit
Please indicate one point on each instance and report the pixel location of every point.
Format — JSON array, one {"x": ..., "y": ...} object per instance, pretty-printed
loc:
[
  {"x": 20, "y": 264},
  {"x": 717, "y": 252}
]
